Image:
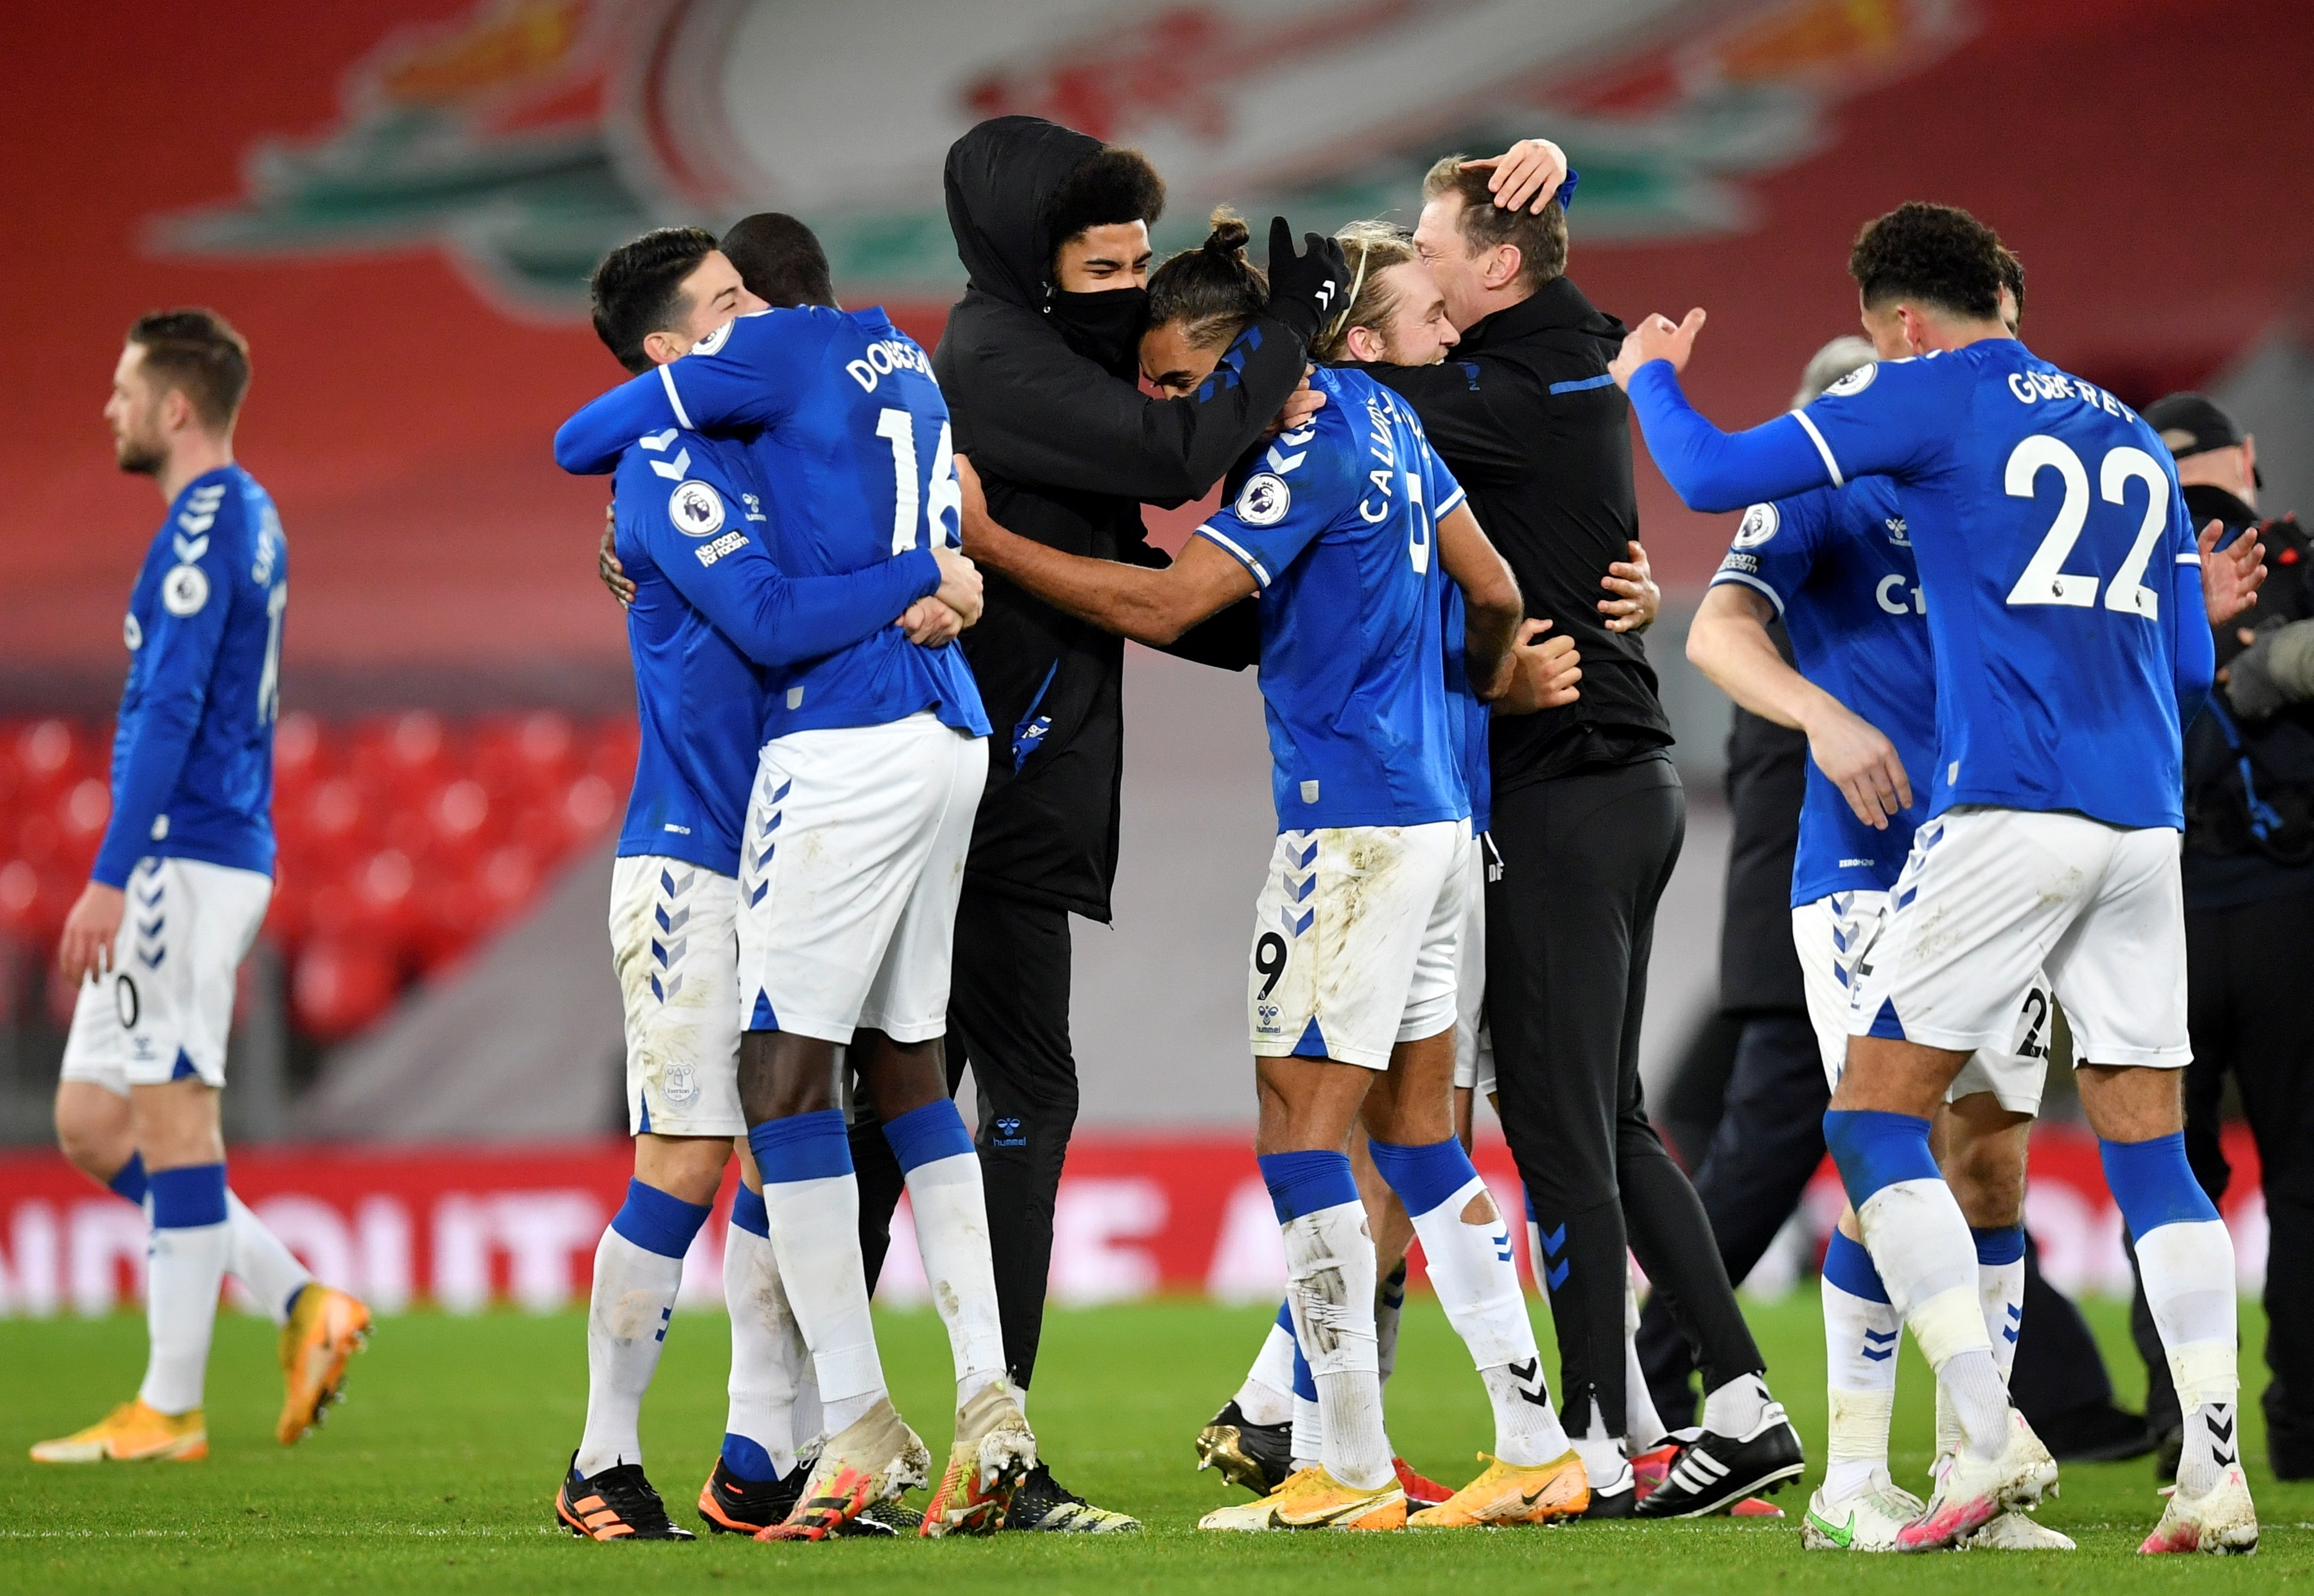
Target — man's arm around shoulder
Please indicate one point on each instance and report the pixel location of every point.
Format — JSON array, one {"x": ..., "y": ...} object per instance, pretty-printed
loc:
[{"x": 1154, "y": 607}]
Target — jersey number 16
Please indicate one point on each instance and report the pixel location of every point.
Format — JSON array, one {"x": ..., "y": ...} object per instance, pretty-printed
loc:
[{"x": 898, "y": 428}]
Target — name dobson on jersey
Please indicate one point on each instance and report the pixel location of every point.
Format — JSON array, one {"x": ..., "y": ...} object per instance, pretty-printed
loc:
[{"x": 884, "y": 356}]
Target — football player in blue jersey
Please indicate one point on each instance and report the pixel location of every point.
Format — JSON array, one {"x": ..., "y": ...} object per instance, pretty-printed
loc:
[
  {"x": 1837, "y": 566},
  {"x": 1393, "y": 313},
  {"x": 2065, "y": 606},
  {"x": 872, "y": 759},
  {"x": 1346, "y": 528},
  {"x": 179, "y": 889},
  {"x": 711, "y": 614}
]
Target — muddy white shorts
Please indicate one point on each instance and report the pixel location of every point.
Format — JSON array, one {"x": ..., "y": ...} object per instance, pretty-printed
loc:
[
  {"x": 1828, "y": 934},
  {"x": 164, "y": 1009},
  {"x": 674, "y": 943},
  {"x": 1474, "y": 1044},
  {"x": 1989, "y": 898},
  {"x": 849, "y": 874},
  {"x": 1354, "y": 940}
]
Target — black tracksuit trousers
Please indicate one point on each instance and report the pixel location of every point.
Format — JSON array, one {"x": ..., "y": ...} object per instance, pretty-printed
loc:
[
  {"x": 1569, "y": 924},
  {"x": 1768, "y": 1144},
  {"x": 2245, "y": 1014},
  {"x": 1008, "y": 1018}
]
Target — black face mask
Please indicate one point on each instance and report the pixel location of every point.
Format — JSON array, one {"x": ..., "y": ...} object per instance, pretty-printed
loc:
[{"x": 1105, "y": 327}]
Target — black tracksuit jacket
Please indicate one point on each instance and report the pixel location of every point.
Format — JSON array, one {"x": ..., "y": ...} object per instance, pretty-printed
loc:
[{"x": 1067, "y": 450}]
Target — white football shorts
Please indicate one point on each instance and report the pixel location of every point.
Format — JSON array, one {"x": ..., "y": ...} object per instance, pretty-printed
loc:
[
  {"x": 1474, "y": 1044},
  {"x": 1354, "y": 940},
  {"x": 849, "y": 874},
  {"x": 1830, "y": 930},
  {"x": 164, "y": 1009},
  {"x": 1989, "y": 898},
  {"x": 674, "y": 943}
]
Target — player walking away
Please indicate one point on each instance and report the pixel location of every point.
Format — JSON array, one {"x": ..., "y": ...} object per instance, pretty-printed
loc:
[
  {"x": 179, "y": 889},
  {"x": 1345, "y": 521},
  {"x": 871, "y": 765},
  {"x": 712, "y": 611},
  {"x": 2065, "y": 609},
  {"x": 1392, "y": 313}
]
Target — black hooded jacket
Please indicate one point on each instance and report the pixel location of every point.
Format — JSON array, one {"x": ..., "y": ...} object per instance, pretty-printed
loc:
[
  {"x": 2224, "y": 865},
  {"x": 1066, "y": 450}
]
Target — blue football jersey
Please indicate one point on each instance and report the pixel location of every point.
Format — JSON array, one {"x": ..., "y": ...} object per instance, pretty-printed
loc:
[
  {"x": 2050, "y": 528},
  {"x": 1473, "y": 711},
  {"x": 1338, "y": 524},
  {"x": 714, "y": 620},
  {"x": 1837, "y": 563},
  {"x": 192, "y": 753},
  {"x": 849, "y": 436}
]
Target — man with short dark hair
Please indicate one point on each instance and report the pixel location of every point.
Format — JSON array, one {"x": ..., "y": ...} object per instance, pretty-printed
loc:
[
  {"x": 179, "y": 889},
  {"x": 2249, "y": 871},
  {"x": 2070, "y": 644},
  {"x": 724, "y": 637},
  {"x": 1587, "y": 821}
]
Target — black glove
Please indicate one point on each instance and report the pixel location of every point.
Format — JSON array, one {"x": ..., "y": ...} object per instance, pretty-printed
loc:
[{"x": 1306, "y": 289}]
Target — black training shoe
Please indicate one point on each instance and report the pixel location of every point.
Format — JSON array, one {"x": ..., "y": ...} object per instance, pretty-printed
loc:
[
  {"x": 2096, "y": 1433},
  {"x": 736, "y": 1507},
  {"x": 1042, "y": 1503},
  {"x": 2168, "y": 1450},
  {"x": 616, "y": 1504},
  {"x": 1258, "y": 1456},
  {"x": 882, "y": 1520},
  {"x": 1616, "y": 1498},
  {"x": 1712, "y": 1471}
]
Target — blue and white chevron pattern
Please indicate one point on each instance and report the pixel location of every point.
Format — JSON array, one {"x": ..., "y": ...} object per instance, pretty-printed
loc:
[
  {"x": 753, "y": 863},
  {"x": 149, "y": 916},
  {"x": 673, "y": 940},
  {"x": 1301, "y": 881}
]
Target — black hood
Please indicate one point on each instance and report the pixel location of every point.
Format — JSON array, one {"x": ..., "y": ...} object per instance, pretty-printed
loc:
[{"x": 999, "y": 177}]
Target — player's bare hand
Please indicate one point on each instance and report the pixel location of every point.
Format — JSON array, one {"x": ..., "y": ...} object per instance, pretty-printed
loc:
[
  {"x": 86, "y": 948},
  {"x": 930, "y": 623},
  {"x": 1532, "y": 168},
  {"x": 1862, "y": 762},
  {"x": 1656, "y": 338},
  {"x": 2231, "y": 576},
  {"x": 1544, "y": 672},
  {"x": 606, "y": 558},
  {"x": 1637, "y": 597},
  {"x": 959, "y": 588},
  {"x": 1303, "y": 403}
]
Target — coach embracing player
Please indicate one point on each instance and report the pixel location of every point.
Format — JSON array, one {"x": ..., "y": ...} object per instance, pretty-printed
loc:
[{"x": 1588, "y": 820}]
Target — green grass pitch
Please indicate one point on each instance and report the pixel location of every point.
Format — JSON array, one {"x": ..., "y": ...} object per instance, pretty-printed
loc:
[{"x": 438, "y": 1475}]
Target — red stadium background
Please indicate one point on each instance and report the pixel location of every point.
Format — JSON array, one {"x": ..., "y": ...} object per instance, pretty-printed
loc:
[{"x": 394, "y": 200}]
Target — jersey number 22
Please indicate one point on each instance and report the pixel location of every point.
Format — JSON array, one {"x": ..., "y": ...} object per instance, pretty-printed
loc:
[{"x": 2045, "y": 580}]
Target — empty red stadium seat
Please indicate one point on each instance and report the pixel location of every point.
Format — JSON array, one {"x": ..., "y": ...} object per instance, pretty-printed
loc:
[
  {"x": 341, "y": 987},
  {"x": 404, "y": 840}
]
